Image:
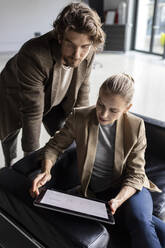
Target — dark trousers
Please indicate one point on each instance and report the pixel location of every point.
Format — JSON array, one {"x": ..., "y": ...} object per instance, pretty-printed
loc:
[
  {"x": 136, "y": 217},
  {"x": 53, "y": 121},
  {"x": 9, "y": 147}
]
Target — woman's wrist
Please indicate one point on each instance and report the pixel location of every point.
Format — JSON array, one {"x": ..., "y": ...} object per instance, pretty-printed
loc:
[
  {"x": 125, "y": 193},
  {"x": 47, "y": 166}
]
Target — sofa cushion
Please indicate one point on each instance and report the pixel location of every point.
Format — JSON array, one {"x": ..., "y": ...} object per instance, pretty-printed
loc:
[{"x": 155, "y": 170}]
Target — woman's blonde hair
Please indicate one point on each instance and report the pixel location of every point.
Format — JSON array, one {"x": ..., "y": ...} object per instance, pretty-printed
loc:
[
  {"x": 82, "y": 19},
  {"x": 120, "y": 84}
]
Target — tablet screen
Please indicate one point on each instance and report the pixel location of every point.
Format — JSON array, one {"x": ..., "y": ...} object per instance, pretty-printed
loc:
[
  {"x": 75, "y": 203},
  {"x": 71, "y": 204}
]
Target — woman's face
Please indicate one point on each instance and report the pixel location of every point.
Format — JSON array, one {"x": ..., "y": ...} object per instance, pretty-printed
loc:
[{"x": 110, "y": 107}]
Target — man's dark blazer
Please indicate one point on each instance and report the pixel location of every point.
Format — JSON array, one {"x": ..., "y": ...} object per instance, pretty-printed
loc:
[{"x": 27, "y": 88}]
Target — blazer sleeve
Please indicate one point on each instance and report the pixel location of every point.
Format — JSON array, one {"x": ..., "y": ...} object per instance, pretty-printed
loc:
[
  {"x": 61, "y": 140},
  {"x": 134, "y": 174},
  {"x": 31, "y": 82},
  {"x": 83, "y": 94}
]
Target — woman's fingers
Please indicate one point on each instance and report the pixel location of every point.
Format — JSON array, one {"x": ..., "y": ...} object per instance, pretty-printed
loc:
[{"x": 38, "y": 182}]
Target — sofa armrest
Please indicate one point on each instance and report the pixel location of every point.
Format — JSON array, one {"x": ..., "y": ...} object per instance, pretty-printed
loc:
[
  {"x": 18, "y": 236},
  {"x": 65, "y": 171},
  {"x": 63, "y": 230},
  {"x": 155, "y": 161},
  {"x": 155, "y": 170},
  {"x": 76, "y": 231}
]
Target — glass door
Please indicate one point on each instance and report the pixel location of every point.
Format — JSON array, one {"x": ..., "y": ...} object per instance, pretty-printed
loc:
[
  {"x": 150, "y": 26},
  {"x": 145, "y": 12},
  {"x": 159, "y": 28}
]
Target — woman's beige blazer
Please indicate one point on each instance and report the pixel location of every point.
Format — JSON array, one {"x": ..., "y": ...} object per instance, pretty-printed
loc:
[{"x": 130, "y": 144}]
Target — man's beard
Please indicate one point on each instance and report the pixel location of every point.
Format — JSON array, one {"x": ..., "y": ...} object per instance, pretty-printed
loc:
[{"x": 71, "y": 62}]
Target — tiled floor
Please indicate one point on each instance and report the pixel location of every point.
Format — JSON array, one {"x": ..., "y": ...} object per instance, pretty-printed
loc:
[{"x": 147, "y": 70}]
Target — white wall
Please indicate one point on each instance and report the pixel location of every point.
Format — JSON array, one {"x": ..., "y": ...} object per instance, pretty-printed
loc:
[{"x": 20, "y": 19}]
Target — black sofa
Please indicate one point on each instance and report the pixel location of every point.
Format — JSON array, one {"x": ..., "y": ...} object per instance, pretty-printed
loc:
[
  {"x": 68, "y": 231},
  {"x": 76, "y": 232}
]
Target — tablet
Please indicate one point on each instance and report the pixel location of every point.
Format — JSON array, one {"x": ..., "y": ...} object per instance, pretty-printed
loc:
[{"x": 74, "y": 205}]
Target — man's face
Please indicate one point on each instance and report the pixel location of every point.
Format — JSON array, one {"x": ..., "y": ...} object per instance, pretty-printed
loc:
[
  {"x": 110, "y": 107},
  {"x": 74, "y": 48}
]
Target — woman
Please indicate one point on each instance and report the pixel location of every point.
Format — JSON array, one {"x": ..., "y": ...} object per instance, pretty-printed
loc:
[{"x": 110, "y": 144}]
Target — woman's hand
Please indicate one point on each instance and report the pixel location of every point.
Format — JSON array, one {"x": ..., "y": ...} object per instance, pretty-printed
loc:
[
  {"x": 125, "y": 193},
  {"x": 114, "y": 204},
  {"x": 41, "y": 178},
  {"x": 38, "y": 182}
]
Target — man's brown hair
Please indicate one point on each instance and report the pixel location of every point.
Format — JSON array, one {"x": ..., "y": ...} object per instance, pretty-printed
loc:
[{"x": 80, "y": 18}]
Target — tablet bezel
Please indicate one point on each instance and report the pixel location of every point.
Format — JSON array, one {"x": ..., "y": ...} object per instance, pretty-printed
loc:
[{"x": 37, "y": 202}]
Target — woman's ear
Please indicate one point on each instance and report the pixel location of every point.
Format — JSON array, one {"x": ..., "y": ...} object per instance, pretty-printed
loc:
[{"x": 128, "y": 107}]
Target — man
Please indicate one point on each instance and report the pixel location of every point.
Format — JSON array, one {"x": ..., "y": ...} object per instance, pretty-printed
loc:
[{"x": 47, "y": 78}]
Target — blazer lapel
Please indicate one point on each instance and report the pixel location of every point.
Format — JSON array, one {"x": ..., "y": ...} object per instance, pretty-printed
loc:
[
  {"x": 119, "y": 148},
  {"x": 91, "y": 152},
  {"x": 55, "y": 81},
  {"x": 56, "y": 55}
]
